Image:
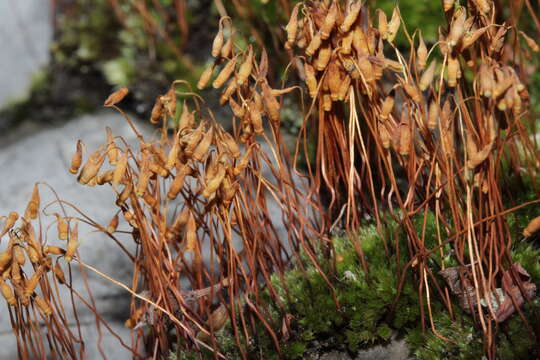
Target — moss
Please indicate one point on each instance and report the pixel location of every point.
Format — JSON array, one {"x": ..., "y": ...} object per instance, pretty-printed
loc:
[{"x": 366, "y": 316}]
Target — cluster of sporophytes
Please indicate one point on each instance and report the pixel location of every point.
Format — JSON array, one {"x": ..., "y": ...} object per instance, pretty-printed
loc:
[
  {"x": 430, "y": 137},
  {"x": 370, "y": 312}
]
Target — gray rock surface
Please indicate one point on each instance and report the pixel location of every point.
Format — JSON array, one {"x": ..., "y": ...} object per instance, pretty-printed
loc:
[
  {"x": 396, "y": 350},
  {"x": 25, "y": 35},
  {"x": 45, "y": 156},
  {"x": 33, "y": 153}
]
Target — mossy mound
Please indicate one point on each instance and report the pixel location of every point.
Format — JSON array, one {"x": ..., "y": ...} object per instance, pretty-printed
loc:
[{"x": 369, "y": 313}]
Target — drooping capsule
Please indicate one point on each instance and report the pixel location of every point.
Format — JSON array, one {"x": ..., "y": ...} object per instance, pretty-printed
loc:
[
  {"x": 144, "y": 177},
  {"x": 116, "y": 97},
  {"x": 113, "y": 224},
  {"x": 245, "y": 68},
  {"x": 213, "y": 184},
  {"x": 421, "y": 53},
  {"x": 270, "y": 103},
  {"x": 427, "y": 76},
  {"x": 73, "y": 243},
  {"x": 8, "y": 294},
  {"x": 187, "y": 118},
  {"x": 314, "y": 44},
  {"x": 125, "y": 194},
  {"x": 483, "y": 5},
  {"x": 226, "y": 49},
  {"x": 530, "y": 42},
  {"x": 62, "y": 227},
  {"x": 311, "y": 80},
  {"x": 192, "y": 241},
  {"x": 457, "y": 27},
  {"x": 91, "y": 168},
  {"x": 32, "y": 283},
  {"x": 76, "y": 160},
  {"x": 329, "y": 21},
  {"x": 32, "y": 208},
  {"x": 292, "y": 27},
  {"x": 59, "y": 273},
  {"x": 202, "y": 148},
  {"x": 387, "y": 106},
  {"x": 120, "y": 169},
  {"x": 351, "y": 16},
  {"x": 532, "y": 227},
  {"x": 178, "y": 182},
  {"x": 230, "y": 144},
  {"x": 229, "y": 90},
  {"x": 333, "y": 78},
  {"x": 218, "y": 41},
  {"x": 433, "y": 115},
  {"x": 10, "y": 221},
  {"x": 413, "y": 92},
  {"x": 205, "y": 76},
  {"x": 224, "y": 74},
  {"x": 323, "y": 57},
  {"x": 393, "y": 25},
  {"x": 382, "y": 24},
  {"x": 43, "y": 305}
]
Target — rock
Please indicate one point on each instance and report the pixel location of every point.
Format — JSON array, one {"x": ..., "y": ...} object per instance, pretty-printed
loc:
[
  {"x": 37, "y": 153},
  {"x": 395, "y": 350},
  {"x": 25, "y": 35},
  {"x": 45, "y": 156}
]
